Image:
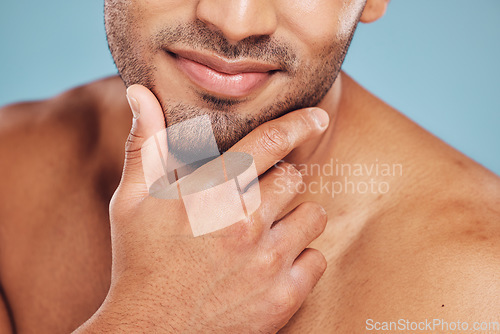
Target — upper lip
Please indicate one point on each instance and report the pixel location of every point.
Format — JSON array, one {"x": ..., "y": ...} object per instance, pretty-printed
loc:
[{"x": 224, "y": 65}]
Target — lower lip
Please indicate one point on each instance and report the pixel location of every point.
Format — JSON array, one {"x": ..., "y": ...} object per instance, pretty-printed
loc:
[{"x": 230, "y": 85}]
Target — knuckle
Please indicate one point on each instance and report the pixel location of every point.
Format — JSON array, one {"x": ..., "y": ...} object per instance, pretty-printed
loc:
[
  {"x": 114, "y": 206},
  {"x": 132, "y": 150},
  {"x": 121, "y": 208},
  {"x": 132, "y": 139},
  {"x": 195, "y": 183},
  {"x": 317, "y": 216},
  {"x": 318, "y": 262},
  {"x": 248, "y": 231},
  {"x": 285, "y": 300},
  {"x": 274, "y": 140},
  {"x": 322, "y": 263},
  {"x": 271, "y": 259}
]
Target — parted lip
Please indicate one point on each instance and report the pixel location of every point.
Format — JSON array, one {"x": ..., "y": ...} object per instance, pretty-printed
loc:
[{"x": 223, "y": 65}]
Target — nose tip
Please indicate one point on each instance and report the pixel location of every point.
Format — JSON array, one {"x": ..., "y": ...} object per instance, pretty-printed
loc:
[{"x": 238, "y": 19}]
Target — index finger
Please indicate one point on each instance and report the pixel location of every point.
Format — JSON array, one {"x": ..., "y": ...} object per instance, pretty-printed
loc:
[{"x": 273, "y": 140}]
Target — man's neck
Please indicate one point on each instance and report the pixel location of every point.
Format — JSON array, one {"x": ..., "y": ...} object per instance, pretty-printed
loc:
[
  {"x": 348, "y": 169},
  {"x": 320, "y": 146}
]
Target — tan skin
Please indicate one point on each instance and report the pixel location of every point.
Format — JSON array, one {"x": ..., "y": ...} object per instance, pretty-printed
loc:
[{"x": 427, "y": 249}]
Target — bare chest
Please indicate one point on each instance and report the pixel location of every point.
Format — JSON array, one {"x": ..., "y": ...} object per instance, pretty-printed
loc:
[{"x": 60, "y": 266}]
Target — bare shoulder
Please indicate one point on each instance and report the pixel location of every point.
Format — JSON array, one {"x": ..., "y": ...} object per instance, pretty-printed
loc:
[
  {"x": 31, "y": 130},
  {"x": 45, "y": 148},
  {"x": 69, "y": 115},
  {"x": 49, "y": 147},
  {"x": 432, "y": 249},
  {"x": 52, "y": 136},
  {"x": 431, "y": 256}
]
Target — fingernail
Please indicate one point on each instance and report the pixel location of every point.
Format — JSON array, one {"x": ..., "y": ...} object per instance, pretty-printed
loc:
[
  {"x": 320, "y": 117},
  {"x": 134, "y": 106}
]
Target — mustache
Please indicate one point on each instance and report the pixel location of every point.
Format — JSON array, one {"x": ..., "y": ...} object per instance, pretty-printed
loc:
[{"x": 198, "y": 36}]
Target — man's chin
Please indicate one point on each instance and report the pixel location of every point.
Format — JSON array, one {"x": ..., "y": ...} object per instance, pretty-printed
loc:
[{"x": 199, "y": 133}]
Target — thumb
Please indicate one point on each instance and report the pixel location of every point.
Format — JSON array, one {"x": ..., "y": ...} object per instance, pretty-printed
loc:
[{"x": 148, "y": 121}]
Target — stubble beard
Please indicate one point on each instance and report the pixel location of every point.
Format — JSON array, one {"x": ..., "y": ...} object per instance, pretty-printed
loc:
[{"x": 310, "y": 80}]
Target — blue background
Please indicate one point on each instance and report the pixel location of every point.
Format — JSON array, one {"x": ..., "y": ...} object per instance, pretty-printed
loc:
[{"x": 435, "y": 60}]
